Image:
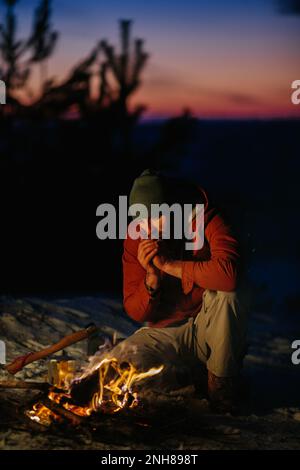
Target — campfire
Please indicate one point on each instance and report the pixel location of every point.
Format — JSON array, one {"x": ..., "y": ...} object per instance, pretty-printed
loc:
[
  {"x": 70, "y": 396},
  {"x": 107, "y": 389}
]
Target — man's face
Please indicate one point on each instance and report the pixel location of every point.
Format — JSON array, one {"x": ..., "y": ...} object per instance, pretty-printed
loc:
[{"x": 154, "y": 227}]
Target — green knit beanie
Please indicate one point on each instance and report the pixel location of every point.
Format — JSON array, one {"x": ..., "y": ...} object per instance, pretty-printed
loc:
[{"x": 149, "y": 188}]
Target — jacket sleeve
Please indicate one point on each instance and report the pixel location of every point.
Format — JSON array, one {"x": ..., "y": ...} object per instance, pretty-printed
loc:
[
  {"x": 138, "y": 303},
  {"x": 220, "y": 271}
]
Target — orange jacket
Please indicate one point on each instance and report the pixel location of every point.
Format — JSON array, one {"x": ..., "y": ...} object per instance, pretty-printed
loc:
[{"x": 212, "y": 267}]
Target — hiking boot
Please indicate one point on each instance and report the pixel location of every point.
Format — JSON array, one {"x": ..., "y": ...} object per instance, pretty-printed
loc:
[{"x": 223, "y": 393}]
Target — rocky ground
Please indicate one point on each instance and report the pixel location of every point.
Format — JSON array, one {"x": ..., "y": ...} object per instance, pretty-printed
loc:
[{"x": 178, "y": 420}]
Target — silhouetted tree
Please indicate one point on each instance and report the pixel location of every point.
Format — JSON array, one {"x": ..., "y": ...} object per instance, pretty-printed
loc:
[
  {"x": 56, "y": 99},
  {"x": 126, "y": 68},
  {"x": 13, "y": 70},
  {"x": 123, "y": 68},
  {"x": 106, "y": 93},
  {"x": 43, "y": 38}
]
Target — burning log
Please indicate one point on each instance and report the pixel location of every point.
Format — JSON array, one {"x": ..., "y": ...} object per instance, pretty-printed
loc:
[
  {"x": 110, "y": 386},
  {"x": 72, "y": 418},
  {"x": 46, "y": 412},
  {"x": 82, "y": 391}
]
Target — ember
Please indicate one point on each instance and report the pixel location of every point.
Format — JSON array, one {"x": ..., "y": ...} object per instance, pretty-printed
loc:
[{"x": 42, "y": 415}]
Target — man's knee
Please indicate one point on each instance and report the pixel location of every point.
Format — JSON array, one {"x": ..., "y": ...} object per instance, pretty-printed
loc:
[
  {"x": 230, "y": 297},
  {"x": 215, "y": 298},
  {"x": 229, "y": 304},
  {"x": 238, "y": 298}
]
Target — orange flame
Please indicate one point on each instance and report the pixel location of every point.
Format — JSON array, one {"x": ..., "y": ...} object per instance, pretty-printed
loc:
[
  {"x": 118, "y": 393},
  {"x": 113, "y": 394},
  {"x": 42, "y": 415}
]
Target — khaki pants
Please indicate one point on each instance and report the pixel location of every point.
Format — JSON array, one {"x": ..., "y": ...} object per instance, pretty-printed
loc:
[{"x": 215, "y": 340}]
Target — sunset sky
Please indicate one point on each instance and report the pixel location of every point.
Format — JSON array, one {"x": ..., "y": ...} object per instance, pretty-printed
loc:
[{"x": 233, "y": 58}]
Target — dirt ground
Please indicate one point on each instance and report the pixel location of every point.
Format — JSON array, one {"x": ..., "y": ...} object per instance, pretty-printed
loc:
[{"x": 270, "y": 418}]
